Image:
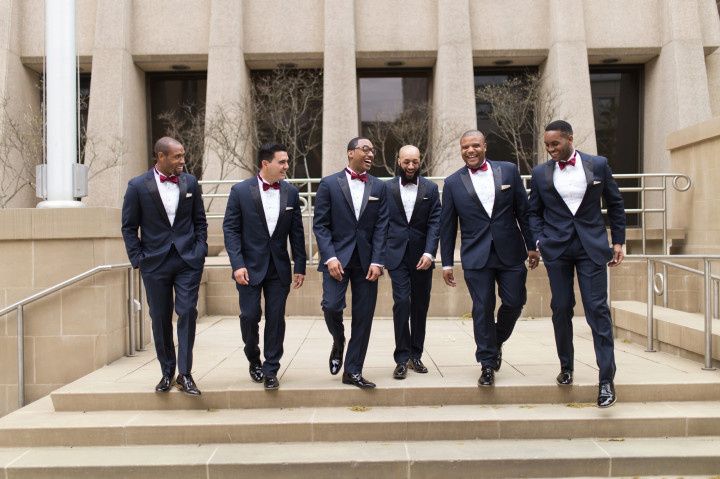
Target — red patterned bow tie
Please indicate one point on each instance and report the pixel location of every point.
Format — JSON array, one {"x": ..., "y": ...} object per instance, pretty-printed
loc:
[
  {"x": 267, "y": 186},
  {"x": 355, "y": 176},
  {"x": 171, "y": 178},
  {"x": 563, "y": 164},
  {"x": 482, "y": 167}
]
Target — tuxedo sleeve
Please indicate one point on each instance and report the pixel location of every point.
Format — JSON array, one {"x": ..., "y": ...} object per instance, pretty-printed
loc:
[
  {"x": 522, "y": 211},
  {"x": 433, "y": 225},
  {"x": 448, "y": 227},
  {"x": 381, "y": 228},
  {"x": 232, "y": 230},
  {"x": 615, "y": 207},
  {"x": 536, "y": 210},
  {"x": 297, "y": 238},
  {"x": 199, "y": 219},
  {"x": 322, "y": 222},
  {"x": 131, "y": 217}
]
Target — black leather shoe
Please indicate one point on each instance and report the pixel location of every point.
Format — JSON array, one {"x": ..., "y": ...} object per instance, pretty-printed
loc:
[
  {"x": 498, "y": 361},
  {"x": 336, "y": 356},
  {"x": 256, "y": 372},
  {"x": 487, "y": 377},
  {"x": 164, "y": 385},
  {"x": 606, "y": 395},
  {"x": 186, "y": 384},
  {"x": 271, "y": 382},
  {"x": 417, "y": 366},
  {"x": 357, "y": 380},
  {"x": 400, "y": 371},
  {"x": 565, "y": 378}
]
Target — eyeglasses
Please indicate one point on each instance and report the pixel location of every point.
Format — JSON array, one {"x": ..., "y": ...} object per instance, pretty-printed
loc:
[{"x": 366, "y": 149}]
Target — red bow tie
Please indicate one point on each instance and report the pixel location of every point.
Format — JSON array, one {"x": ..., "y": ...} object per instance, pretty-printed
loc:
[
  {"x": 563, "y": 164},
  {"x": 482, "y": 167},
  {"x": 355, "y": 176},
  {"x": 267, "y": 186},
  {"x": 171, "y": 179}
]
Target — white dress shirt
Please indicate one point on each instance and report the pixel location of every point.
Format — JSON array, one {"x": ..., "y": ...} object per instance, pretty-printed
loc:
[
  {"x": 357, "y": 190},
  {"x": 484, "y": 184},
  {"x": 571, "y": 183},
  {"x": 271, "y": 205},
  {"x": 408, "y": 195},
  {"x": 169, "y": 194}
]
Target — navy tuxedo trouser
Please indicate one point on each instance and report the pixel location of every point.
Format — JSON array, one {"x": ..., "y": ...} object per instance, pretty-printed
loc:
[
  {"x": 276, "y": 294},
  {"x": 411, "y": 299},
  {"x": 489, "y": 335},
  {"x": 173, "y": 274},
  {"x": 364, "y": 297},
  {"x": 592, "y": 279}
]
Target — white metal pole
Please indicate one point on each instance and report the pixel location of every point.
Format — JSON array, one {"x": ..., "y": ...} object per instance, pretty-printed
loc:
[{"x": 61, "y": 103}]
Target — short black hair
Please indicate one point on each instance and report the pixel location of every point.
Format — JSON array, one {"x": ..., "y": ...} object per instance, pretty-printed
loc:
[
  {"x": 561, "y": 126},
  {"x": 352, "y": 144},
  {"x": 267, "y": 151}
]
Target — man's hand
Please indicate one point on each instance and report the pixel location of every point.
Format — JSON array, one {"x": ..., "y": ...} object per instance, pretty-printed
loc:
[
  {"x": 449, "y": 278},
  {"x": 618, "y": 255},
  {"x": 424, "y": 263},
  {"x": 298, "y": 280},
  {"x": 335, "y": 269},
  {"x": 374, "y": 273},
  {"x": 241, "y": 276},
  {"x": 533, "y": 259}
]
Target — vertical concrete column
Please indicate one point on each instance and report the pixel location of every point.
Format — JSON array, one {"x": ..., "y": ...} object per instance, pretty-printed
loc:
[
  {"x": 117, "y": 118},
  {"x": 708, "y": 11},
  {"x": 453, "y": 84},
  {"x": 676, "y": 82},
  {"x": 17, "y": 84},
  {"x": 340, "y": 101},
  {"x": 566, "y": 74}
]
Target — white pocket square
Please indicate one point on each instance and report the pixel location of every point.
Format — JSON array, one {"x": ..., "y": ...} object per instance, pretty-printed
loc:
[
  {"x": 504, "y": 187},
  {"x": 372, "y": 198},
  {"x": 596, "y": 182},
  {"x": 188, "y": 195},
  {"x": 425, "y": 198},
  {"x": 288, "y": 208}
]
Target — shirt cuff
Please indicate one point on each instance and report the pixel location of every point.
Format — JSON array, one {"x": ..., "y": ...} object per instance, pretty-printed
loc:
[
  {"x": 447, "y": 267},
  {"x": 537, "y": 245},
  {"x": 429, "y": 256},
  {"x": 378, "y": 265},
  {"x": 331, "y": 259}
]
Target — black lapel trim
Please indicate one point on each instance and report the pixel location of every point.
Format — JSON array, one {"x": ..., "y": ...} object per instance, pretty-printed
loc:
[
  {"x": 255, "y": 194},
  {"x": 422, "y": 188},
  {"x": 155, "y": 195},
  {"x": 345, "y": 188},
  {"x": 467, "y": 181}
]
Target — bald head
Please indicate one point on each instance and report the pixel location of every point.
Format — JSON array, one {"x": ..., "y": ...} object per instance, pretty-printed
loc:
[
  {"x": 169, "y": 156},
  {"x": 409, "y": 150},
  {"x": 164, "y": 144},
  {"x": 408, "y": 163},
  {"x": 472, "y": 133}
]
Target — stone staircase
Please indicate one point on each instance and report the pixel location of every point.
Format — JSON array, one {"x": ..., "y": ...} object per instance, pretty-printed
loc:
[{"x": 111, "y": 424}]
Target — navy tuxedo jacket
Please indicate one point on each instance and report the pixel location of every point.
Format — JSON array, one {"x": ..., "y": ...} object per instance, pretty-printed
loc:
[
  {"x": 143, "y": 209},
  {"x": 554, "y": 224},
  {"x": 337, "y": 230},
  {"x": 418, "y": 236},
  {"x": 247, "y": 239},
  {"x": 508, "y": 230}
]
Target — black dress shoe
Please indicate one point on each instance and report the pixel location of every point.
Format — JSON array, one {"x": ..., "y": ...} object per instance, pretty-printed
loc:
[
  {"x": 565, "y": 378},
  {"x": 498, "y": 361},
  {"x": 417, "y": 366},
  {"x": 357, "y": 380},
  {"x": 400, "y": 371},
  {"x": 606, "y": 395},
  {"x": 256, "y": 372},
  {"x": 487, "y": 377},
  {"x": 185, "y": 383},
  {"x": 336, "y": 356},
  {"x": 164, "y": 385},
  {"x": 271, "y": 382}
]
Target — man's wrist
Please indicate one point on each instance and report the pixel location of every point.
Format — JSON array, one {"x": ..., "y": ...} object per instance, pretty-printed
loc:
[
  {"x": 429, "y": 256},
  {"x": 446, "y": 268},
  {"x": 334, "y": 258}
]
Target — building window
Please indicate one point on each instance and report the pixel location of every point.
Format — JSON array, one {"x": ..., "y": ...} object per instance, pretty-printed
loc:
[
  {"x": 395, "y": 111},
  {"x": 176, "y": 103},
  {"x": 505, "y": 103},
  {"x": 83, "y": 107},
  {"x": 617, "y": 108}
]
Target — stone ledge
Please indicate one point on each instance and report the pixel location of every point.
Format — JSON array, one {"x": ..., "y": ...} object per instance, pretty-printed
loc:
[{"x": 62, "y": 223}]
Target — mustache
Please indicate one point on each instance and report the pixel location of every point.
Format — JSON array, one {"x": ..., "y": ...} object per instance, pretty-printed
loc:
[{"x": 400, "y": 172}]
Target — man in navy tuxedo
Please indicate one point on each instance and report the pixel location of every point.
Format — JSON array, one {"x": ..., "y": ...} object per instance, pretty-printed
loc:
[
  {"x": 350, "y": 224},
  {"x": 262, "y": 213},
  {"x": 412, "y": 241},
  {"x": 489, "y": 199},
  {"x": 566, "y": 218},
  {"x": 166, "y": 205}
]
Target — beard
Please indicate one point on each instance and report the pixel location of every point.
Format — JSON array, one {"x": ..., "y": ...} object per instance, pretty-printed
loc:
[{"x": 401, "y": 173}]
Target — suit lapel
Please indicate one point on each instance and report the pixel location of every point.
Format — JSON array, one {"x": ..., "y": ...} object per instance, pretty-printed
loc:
[
  {"x": 549, "y": 170},
  {"x": 366, "y": 195},
  {"x": 589, "y": 176},
  {"x": 497, "y": 178},
  {"x": 255, "y": 194},
  {"x": 395, "y": 192},
  {"x": 422, "y": 186},
  {"x": 345, "y": 188},
  {"x": 182, "y": 184},
  {"x": 467, "y": 181},
  {"x": 155, "y": 195}
]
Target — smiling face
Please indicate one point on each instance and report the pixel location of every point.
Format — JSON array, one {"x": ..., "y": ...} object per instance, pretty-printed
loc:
[
  {"x": 558, "y": 145},
  {"x": 172, "y": 162},
  {"x": 409, "y": 161},
  {"x": 360, "y": 159},
  {"x": 275, "y": 169},
  {"x": 472, "y": 149}
]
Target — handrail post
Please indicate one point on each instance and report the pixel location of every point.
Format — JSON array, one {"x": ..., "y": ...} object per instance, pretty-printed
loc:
[
  {"x": 650, "y": 301},
  {"x": 140, "y": 346},
  {"x": 131, "y": 311},
  {"x": 643, "y": 215},
  {"x": 716, "y": 299},
  {"x": 708, "y": 315},
  {"x": 21, "y": 357}
]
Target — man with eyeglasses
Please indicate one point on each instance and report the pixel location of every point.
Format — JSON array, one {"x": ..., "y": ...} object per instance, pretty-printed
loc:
[{"x": 350, "y": 223}]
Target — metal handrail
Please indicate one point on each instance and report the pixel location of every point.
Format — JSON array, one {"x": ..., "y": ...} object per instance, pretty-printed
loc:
[
  {"x": 679, "y": 182},
  {"x": 133, "y": 306},
  {"x": 711, "y": 288}
]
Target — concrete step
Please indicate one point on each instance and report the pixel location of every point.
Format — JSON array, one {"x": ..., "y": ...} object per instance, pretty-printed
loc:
[
  {"x": 426, "y": 459},
  {"x": 45, "y": 427}
]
